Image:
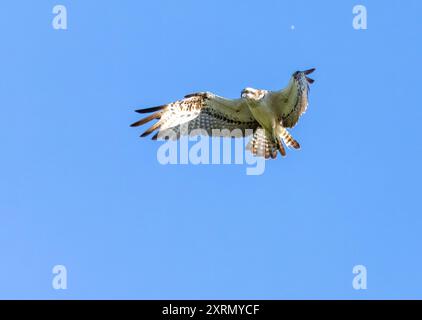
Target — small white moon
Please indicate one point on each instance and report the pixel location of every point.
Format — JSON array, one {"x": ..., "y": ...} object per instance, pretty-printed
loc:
[{"x": 292, "y": 27}]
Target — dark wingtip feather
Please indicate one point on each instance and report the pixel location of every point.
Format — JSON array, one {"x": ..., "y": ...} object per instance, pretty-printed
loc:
[
  {"x": 147, "y": 119},
  {"x": 153, "y": 109},
  {"x": 153, "y": 128},
  {"x": 310, "y": 80},
  {"x": 309, "y": 71},
  {"x": 144, "y": 134}
]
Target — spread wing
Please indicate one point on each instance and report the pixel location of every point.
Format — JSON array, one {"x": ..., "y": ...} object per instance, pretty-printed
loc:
[
  {"x": 293, "y": 100},
  {"x": 205, "y": 111}
]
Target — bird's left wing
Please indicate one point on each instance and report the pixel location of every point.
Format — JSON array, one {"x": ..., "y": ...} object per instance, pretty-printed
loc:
[
  {"x": 293, "y": 101},
  {"x": 203, "y": 110}
]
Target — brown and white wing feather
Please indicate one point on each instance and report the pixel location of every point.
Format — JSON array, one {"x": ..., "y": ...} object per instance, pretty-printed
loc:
[
  {"x": 292, "y": 102},
  {"x": 294, "y": 110},
  {"x": 204, "y": 111}
]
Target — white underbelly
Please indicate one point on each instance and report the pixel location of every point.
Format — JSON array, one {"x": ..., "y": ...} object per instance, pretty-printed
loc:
[{"x": 264, "y": 115}]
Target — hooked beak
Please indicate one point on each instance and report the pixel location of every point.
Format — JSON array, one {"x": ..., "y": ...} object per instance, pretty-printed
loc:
[{"x": 306, "y": 72}]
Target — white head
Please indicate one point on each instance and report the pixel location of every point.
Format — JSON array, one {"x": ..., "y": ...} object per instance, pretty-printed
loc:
[{"x": 253, "y": 94}]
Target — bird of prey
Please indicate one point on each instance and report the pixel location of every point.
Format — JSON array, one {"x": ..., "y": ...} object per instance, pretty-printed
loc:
[{"x": 264, "y": 114}]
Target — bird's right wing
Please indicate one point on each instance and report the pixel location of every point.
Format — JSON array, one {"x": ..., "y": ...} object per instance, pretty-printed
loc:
[{"x": 203, "y": 110}]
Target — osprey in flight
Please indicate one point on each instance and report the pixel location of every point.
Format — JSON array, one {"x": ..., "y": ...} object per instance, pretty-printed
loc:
[{"x": 264, "y": 114}]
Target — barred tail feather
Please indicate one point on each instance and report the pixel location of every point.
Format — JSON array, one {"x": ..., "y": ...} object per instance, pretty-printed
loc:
[
  {"x": 262, "y": 144},
  {"x": 281, "y": 148},
  {"x": 287, "y": 138}
]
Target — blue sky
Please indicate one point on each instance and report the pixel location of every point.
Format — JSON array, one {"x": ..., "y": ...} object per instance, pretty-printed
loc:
[{"x": 80, "y": 189}]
